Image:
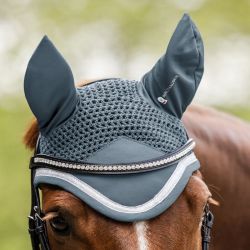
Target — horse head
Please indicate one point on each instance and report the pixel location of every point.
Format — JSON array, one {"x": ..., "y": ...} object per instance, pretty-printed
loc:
[{"x": 112, "y": 157}]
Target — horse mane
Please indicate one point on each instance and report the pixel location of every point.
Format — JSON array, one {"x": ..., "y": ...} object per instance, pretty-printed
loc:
[{"x": 31, "y": 134}]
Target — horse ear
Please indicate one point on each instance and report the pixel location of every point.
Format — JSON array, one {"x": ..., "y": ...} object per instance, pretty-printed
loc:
[
  {"x": 171, "y": 84},
  {"x": 49, "y": 86}
]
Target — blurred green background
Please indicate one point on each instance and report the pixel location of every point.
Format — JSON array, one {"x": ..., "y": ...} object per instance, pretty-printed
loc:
[{"x": 113, "y": 38}]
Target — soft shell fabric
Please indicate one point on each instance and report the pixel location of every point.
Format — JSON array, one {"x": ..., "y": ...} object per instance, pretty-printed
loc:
[
  {"x": 172, "y": 82},
  {"x": 49, "y": 86}
]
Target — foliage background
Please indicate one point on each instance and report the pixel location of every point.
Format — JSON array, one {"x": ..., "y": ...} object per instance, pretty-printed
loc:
[{"x": 100, "y": 39}]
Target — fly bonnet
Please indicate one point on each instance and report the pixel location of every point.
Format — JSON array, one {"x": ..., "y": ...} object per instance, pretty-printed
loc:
[{"x": 118, "y": 145}]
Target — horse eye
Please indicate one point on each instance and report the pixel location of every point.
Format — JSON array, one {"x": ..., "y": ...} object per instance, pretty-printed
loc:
[{"x": 59, "y": 225}]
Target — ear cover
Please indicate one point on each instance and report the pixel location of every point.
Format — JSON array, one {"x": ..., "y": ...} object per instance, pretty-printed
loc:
[
  {"x": 49, "y": 86},
  {"x": 171, "y": 84}
]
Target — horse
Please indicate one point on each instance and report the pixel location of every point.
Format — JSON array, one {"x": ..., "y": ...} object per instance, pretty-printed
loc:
[
  {"x": 224, "y": 157},
  {"x": 113, "y": 159}
]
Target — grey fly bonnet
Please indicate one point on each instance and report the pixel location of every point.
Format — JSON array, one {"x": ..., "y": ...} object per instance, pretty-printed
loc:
[{"x": 118, "y": 145}]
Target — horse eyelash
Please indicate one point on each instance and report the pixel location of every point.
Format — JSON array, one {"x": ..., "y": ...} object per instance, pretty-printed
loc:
[
  {"x": 212, "y": 201},
  {"x": 50, "y": 216}
]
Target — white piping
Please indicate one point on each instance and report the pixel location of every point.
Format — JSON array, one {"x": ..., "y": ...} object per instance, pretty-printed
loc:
[{"x": 157, "y": 199}]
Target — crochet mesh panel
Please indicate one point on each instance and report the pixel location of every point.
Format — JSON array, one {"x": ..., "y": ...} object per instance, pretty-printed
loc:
[{"x": 106, "y": 110}]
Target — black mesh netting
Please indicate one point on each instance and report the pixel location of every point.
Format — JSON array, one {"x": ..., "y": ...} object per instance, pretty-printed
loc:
[{"x": 106, "y": 110}]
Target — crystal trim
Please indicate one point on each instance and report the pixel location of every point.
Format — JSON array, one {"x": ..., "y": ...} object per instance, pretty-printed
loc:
[{"x": 99, "y": 168}]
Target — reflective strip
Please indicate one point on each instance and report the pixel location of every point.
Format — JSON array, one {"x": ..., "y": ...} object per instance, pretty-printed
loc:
[{"x": 90, "y": 191}]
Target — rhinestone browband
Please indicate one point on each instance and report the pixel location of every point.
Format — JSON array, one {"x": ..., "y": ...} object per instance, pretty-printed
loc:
[{"x": 51, "y": 162}]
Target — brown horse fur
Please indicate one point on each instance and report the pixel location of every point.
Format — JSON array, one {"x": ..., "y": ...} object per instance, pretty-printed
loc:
[
  {"x": 223, "y": 148},
  {"x": 223, "y": 145}
]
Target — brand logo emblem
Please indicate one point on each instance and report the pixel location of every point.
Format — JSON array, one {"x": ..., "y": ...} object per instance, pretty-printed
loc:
[{"x": 162, "y": 99}]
